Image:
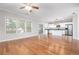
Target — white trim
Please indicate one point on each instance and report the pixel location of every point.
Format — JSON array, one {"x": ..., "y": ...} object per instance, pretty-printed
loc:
[
  {"x": 76, "y": 38},
  {"x": 17, "y": 38}
]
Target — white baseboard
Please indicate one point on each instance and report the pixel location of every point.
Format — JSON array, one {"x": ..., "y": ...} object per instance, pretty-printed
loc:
[
  {"x": 76, "y": 38},
  {"x": 17, "y": 38}
]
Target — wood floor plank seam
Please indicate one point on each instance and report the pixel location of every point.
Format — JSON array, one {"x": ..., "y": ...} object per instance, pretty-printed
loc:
[{"x": 53, "y": 45}]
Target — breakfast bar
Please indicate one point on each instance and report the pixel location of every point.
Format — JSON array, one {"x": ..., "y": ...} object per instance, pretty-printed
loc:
[{"x": 57, "y": 31}]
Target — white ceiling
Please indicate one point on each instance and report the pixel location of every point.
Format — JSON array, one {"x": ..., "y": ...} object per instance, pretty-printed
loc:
[{"x": 47, "y": 11}]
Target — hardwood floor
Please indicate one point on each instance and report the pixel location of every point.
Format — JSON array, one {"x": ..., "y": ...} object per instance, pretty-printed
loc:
[{"x": 53, "y": 45}]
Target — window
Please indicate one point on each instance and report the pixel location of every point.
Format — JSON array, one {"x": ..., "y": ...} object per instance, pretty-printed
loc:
[
  {"x": 10, "y": 26},
  {"x": 17, "y": 26},
  {"x": 20, "y": 26},
  {"x": 28, "y": 26}
]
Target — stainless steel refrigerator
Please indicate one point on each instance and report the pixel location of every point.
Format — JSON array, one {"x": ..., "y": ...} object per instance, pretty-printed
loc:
[{"x": 69, "y": 30}]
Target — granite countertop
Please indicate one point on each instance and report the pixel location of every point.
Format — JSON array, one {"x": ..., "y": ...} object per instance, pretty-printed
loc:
[{"x": 56, "y": 29}]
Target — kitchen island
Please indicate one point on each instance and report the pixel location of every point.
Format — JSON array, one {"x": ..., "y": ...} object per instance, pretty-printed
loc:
[{"x": 57, "y": 31}]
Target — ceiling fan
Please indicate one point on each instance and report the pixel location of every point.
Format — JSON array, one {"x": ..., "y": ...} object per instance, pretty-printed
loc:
[{"x": 30, "y": 7}]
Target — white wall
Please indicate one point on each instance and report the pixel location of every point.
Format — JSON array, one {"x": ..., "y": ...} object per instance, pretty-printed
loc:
[
  {"x": 2, "y": 28},
  {"x": 75, "y": 26},
  {"x": 78, "y": 27},
  {"x": 5, "y": 37}
]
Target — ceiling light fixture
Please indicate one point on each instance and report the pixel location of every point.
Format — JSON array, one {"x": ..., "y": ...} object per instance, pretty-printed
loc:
[{"x": 28, "y": 8}]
